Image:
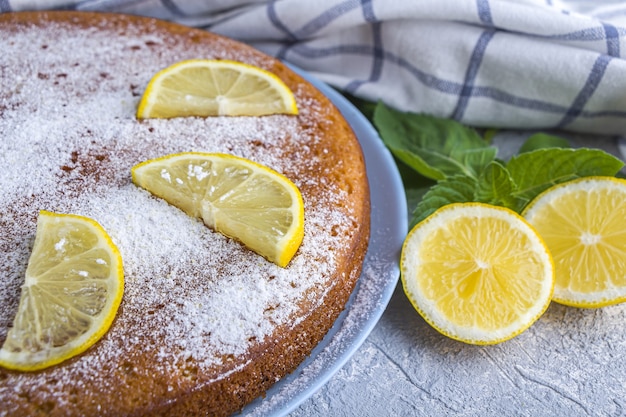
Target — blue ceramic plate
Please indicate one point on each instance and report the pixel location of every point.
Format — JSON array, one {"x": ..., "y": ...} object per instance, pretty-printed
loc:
[{"x": 378, "y": 280}]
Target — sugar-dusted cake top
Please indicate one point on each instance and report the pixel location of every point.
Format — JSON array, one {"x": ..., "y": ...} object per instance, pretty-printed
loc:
[{"x": 195, "y": 301}]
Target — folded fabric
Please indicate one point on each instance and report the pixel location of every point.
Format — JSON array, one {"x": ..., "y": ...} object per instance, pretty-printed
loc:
[{"x": 490, "y": 63}]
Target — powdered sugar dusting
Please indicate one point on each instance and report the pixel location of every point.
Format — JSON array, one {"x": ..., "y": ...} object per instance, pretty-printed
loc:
[
  {"x": 69, "y": 140},
  {"x": 365, "y": 306}
]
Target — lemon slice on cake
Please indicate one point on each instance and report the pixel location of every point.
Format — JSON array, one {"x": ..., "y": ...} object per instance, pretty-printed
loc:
[
  {"x": 477, "y": 273},
  {"x": 73, "y": 287},
  {"x": 235, "y": 196},
  {"x": 205, "y": 87},
  {"x": 584, "y": 224}
]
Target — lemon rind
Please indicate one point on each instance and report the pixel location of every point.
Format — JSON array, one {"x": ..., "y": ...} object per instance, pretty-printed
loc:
[
  {"x": 428, "y": 310},
  {"x": 45, "y": 359},
  {"x": 287, "y": 247},
  {"x": 563, "y": 295},
  {"x": 149, "y": 97}
]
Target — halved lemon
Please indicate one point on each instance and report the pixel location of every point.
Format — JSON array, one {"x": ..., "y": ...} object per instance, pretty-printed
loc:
[
  {"x": 206, "y": 87},
  {"x": 235, "y": 196},
  {"x": 584, "y": 224},
  {"x": 72, "y": 290},
  {"x": 477, "y": 273}
]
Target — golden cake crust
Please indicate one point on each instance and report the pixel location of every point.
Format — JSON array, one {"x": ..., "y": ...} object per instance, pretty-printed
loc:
[{"x": 205, "y": 326}]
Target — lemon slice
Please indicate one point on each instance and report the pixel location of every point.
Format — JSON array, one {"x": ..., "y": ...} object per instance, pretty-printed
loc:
[
  {"x": 234, "y": 196},
  {"x": 73, "y": 287},
  {"x": 204, "y": 87},
  {"x": 583, "y": 222},
  {"x": 477, "y": 273}
]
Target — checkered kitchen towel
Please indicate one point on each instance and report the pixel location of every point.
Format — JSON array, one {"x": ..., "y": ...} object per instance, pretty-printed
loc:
[{"x": 493, "y": 63}]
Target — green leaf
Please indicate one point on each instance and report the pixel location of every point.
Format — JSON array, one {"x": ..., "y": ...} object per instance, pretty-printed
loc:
[
  {"x": 443, "y": 162},
  {"x": 543, "y": 140},
  {"x": 415, "y": 161},
  {"x": 536, "y": 171},
  {"x": 496, "y": 186},
  {"x": 436, "y": 148},
  {"x": 458, "y": 189}
]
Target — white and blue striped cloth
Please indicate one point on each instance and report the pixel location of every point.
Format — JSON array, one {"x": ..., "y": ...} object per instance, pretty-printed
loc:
[{"x": 531, "y": 64}]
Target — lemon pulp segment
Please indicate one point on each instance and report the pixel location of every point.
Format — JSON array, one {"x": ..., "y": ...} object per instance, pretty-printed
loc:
[
  {"x": 205, "y": 87},
  {"x": 477, "y": 273},
  {"x": 235, "y": 196},
  {"x": 584, "y": 224},
  {"x": 73, "y": 286}
]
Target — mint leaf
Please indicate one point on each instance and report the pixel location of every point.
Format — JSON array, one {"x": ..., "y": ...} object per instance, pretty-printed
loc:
[
  {"x": 536, "y": 171},
  {"x": 436, "y": 148},
  {"x": 521, "y": 180},
  {"x": 543, "y": 140},
  {"x": 496, "y": 186},
  {"x": 443, "y": 162},
  {"x": 457, "y": 189}
]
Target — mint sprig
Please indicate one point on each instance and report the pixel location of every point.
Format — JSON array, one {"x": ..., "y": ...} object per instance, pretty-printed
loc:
[
  {"x": 462, "y": 166},
  {"x": 534, "y": 172},
  {"x": 433, "y": 147}
]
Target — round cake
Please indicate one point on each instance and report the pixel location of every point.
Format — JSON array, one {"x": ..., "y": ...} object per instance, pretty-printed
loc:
[{"x": 205, "y": 325}]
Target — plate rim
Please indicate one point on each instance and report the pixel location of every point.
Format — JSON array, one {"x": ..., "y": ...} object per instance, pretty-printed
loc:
[{"x": 281, "y": 398}]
